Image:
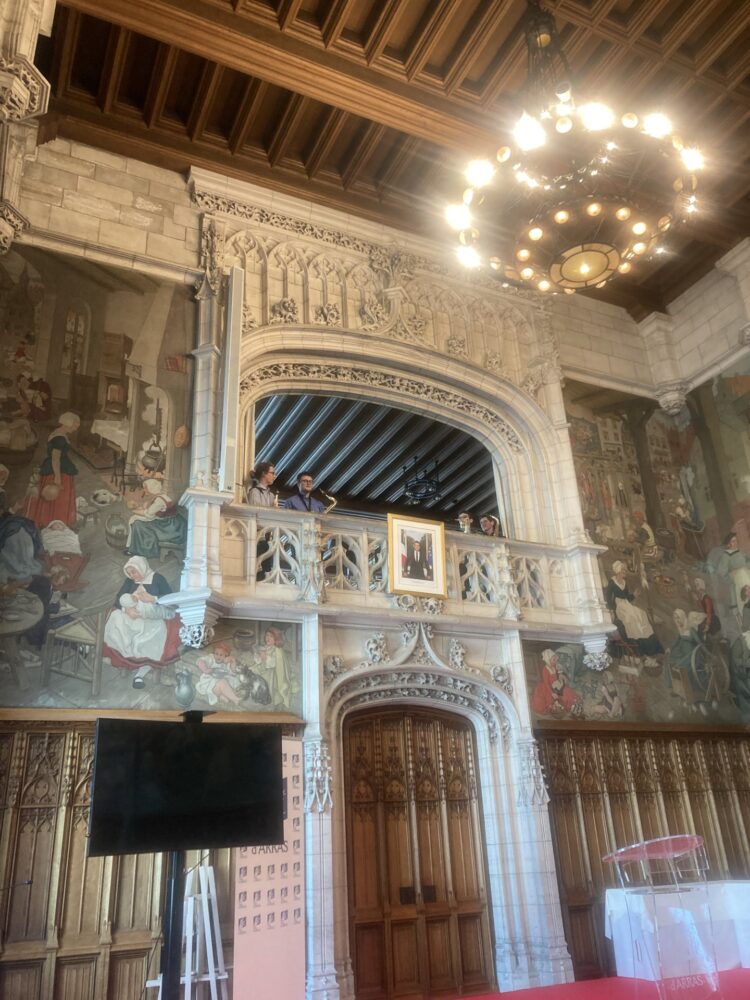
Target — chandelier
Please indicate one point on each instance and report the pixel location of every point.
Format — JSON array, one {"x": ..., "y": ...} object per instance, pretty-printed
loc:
[
  {"x": 421, "y": 486},
  {"x": 581, "y": 193}
]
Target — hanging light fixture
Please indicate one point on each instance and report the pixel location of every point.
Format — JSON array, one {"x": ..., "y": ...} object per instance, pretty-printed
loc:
[
  {"x": 586, "y": 192},
  {"x": 421, "y": 486}
]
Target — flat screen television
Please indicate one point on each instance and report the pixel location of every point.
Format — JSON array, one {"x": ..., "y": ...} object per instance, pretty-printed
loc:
[{"x": 168, "y": 786}]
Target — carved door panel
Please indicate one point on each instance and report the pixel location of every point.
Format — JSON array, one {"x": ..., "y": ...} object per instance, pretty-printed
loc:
[{"x": 417, "y": 888}]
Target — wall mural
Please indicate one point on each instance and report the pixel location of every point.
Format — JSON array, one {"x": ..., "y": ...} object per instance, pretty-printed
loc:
[
  {"x": 676, "y": 574},
  {"x": 94, "y": 411}
]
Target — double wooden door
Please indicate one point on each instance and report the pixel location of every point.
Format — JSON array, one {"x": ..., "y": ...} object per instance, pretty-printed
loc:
[{"x": 419, "y": 924}]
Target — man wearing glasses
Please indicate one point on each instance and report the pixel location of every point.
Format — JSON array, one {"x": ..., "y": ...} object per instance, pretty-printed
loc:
[{"x": 303, "y": 500}]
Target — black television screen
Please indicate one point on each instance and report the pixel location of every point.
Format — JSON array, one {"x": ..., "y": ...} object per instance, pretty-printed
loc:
[{"x": 168, "y": 786}]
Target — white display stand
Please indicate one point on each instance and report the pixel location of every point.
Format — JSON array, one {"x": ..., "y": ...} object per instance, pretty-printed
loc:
[
  {"x": 661, "y": 921},
  {"x": 201, "y": 936}
]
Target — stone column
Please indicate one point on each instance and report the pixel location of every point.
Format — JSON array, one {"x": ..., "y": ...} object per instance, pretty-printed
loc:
[
  {"x": 326, "y": 978},
  {"x": 24, "y": 94},
  {"x": 707, "y": 427}
]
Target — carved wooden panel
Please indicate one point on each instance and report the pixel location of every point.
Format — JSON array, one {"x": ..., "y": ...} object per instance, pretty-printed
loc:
[
  {"x": 73, "y": 927},
  {"x": 611, "y": 789},
  {"x": 418, "y": 901}
]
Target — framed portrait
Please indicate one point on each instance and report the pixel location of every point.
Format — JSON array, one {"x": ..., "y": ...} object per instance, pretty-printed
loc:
[{"x": 416, "y": 556}]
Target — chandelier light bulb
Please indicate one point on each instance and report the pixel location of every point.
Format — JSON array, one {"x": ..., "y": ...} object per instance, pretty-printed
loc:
[
  {"x": 593, "y": 209},
  {"x": 570, "y": 291},
  {"x": 529, "y": 133},
  {"x": 523, "y": 253},
  {"x": 584, "y": 268},
  {"x": 468, "y": 256},
  {"x": 639, "y": 248},
  {"x": 503, "y": 154},
  {"x": 596, "y": 116},
  {"x": 527, "y": 272},
  {"x": 623, "y": 213},
  {"x": 564, "y": 124},
  {"x": 624, "y": 267},
  {"x": 495, "y": 263},
  {"x": 657, "y": 125},
  {"x": 562, "y": 216},
  {"x": 458, "y": 216},
  {"x": 639, "y": 228},
  {"x": 536, "y": 233},
  {"x": 629, "y": 120},
  {"x": 479, "y": 173},
  {"x": 544, "y": 285},
  {"x": 611, "y": 146},
  {"x": 692, "y": 158},
  {"x": 563, "y": 91},
  {"x": 664, "y": 223}
]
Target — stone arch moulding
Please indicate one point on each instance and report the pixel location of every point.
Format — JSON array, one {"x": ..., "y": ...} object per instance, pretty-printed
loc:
[
  {"x": 524, "y": 908},
  {"x": 517, "y": 432}
]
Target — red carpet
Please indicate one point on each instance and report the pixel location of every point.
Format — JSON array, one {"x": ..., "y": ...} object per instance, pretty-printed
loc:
[{"x": 735, "y": 985}]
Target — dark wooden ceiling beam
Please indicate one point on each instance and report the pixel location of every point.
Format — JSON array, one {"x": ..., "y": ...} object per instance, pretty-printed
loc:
[
  {"x": 335, "y": 21},
  {"x": 326, "y": 139},
  {"x": 399, "y": 161},
  {"x": 473, "y": 44},
  {"x": 114, "y": 63},
  {"x": 62, "y": 61},
  {"x": 287, "y": 12},
  {"x": 257, "y": 50},
  {"x": 293, "y": 113},
  {"x": 204, "y": 98},
  {"x": 381, "y": 30},
  {"x": 441, "y": 12},
  {"x": 362, "y": 154},
  {"x": 161, "y": 78},
  {"x": 255, "y": 91}
]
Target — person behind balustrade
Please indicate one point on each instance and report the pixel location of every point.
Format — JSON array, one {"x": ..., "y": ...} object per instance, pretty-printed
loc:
[
  {"x": 259, "y": 494},
  {"x": 491, "y": 526},
  {"x": 303, "y": 500}
]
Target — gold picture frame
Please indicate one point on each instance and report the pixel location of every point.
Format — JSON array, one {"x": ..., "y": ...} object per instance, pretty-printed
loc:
[{"x": 416, "y": 556}]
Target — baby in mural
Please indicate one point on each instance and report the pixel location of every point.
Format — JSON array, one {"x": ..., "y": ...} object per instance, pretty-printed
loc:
[{"x": 220, "y": 679}]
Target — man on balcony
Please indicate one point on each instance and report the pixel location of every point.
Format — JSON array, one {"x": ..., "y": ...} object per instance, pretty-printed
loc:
[{"x": 303, "y": 500}]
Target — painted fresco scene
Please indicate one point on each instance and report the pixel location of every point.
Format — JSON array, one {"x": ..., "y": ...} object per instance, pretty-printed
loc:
[
  {"x": 669, "y": 497},
  {"x": 94, "y": 456}
]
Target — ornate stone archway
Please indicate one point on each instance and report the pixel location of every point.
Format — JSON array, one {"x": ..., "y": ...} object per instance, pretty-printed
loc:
[{"x": 530, "y": 947}]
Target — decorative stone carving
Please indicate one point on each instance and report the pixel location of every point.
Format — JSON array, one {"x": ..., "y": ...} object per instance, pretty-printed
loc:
[
  {"x": 285, "y": 312},
  {"x": 396, "y": 265},
  {"x": 671, "y": 396},
  {"x": 372, "y": 313},
  {"x": 439, "y": 687},
  {"x": 744, "y": 336},
  {"x": 597, "y": 661},
  {"x": 249, "y": 322},
  {"x": 432, "y": 605},
  {"x": 354, "y": 375},
  {"x": 12, "y": 224},
  {"x": 16, "y": 143},
  {"x": 410, "y": 329},
  {"x": 318, "y": 777},
  {"x": 493, "y": 362},
  {"x": 456, "y": 655},
  {"x": 212, "y": 254},
  {"x": 406, "y": 602},
  {"x": 533, "y": 380},
  {"x": 457, "y": 347},
  {"x": 376, "y": 649},
  {"x": 532, "y": 790},
  {"x": 196, "y": 636},
  {"x": 333, "y": 667},
  {"x": 503, "y": 678},
  {"x": 330, "y": 314},
  {"x": 24, "y": 93}
]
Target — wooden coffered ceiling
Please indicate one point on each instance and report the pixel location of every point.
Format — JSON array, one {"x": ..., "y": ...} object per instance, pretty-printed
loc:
[{"x": 374, "y": 106}]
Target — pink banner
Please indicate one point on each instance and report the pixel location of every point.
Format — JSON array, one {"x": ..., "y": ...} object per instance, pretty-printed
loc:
[{"x": 269, "y": 903}]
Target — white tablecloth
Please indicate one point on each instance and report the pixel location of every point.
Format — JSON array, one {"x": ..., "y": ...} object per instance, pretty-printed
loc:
[{"x": 668, "y": 933}]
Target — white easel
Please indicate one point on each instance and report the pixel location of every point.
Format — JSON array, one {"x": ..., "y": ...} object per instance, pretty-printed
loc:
[{"x": 201, "y": 940}]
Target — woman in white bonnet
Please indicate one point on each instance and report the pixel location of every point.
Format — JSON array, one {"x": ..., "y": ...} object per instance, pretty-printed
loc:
[
  {"x": 155, "y": 523},
  {"x": 632, "y": 622}
]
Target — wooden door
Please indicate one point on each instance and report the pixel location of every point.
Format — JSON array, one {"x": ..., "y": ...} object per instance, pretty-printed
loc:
[{"x": 419, "y": 925}]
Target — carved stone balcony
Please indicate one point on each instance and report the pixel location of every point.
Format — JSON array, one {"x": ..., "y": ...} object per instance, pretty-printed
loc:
[{"x": 283, "y": 556}]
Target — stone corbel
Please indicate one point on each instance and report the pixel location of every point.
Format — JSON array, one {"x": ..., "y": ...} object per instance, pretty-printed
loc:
[
  {"x": 596, "y": 656},
  {"x": 744, "y": 336},
  {"x": 197, "y": 617},
  {"x": 672, "y": 396},
  {"x": 24, "y": 93}
]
